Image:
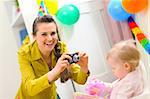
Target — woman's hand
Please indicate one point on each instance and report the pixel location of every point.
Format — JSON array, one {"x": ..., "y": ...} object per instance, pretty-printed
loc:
[
  {"x": 61, "y": 64},
  {"x": 83, "y": 62}
]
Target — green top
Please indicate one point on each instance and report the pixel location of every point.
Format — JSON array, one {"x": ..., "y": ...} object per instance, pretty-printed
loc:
[{"x": 34, "y": 72}]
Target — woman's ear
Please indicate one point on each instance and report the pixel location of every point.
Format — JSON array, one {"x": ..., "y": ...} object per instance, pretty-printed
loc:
[
  {"x": 127, "y": 66},
  {"x": 34, "y": 36}
]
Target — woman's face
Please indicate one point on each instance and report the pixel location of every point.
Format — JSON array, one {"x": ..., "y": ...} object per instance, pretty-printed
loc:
[
  {"x": 118, "y": 67},
  {"x": 46, "y": 36}
]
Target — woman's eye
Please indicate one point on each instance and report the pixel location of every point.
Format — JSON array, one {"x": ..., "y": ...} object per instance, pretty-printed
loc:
[
  {"x": 53, "y": 33},
  {"x": 44, "y": 34}
]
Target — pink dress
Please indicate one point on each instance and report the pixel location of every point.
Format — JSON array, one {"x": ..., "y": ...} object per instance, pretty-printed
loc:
[{"x": 128, "y": 87}]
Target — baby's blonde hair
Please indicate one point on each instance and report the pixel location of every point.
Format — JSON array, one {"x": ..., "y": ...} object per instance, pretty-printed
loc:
[{"x": 126, "y": 51}]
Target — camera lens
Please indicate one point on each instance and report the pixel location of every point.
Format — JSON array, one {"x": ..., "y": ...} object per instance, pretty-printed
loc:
[{"x": 75, "y": 58}]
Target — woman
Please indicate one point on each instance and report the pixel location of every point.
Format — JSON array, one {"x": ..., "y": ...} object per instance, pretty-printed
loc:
[{"x": 45, "y": 60}]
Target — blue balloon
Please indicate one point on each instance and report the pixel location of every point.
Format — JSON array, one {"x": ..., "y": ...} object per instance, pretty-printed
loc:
[{"x": 116, "y": 11}]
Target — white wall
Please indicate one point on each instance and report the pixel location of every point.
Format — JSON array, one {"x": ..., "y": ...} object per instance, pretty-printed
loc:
[{"x": 9, "y": 71}]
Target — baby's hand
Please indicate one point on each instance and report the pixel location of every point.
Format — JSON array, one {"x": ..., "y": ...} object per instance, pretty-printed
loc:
[{"x": 94, "y": 91}]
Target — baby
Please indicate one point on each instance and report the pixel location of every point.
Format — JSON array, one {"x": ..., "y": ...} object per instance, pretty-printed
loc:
[{"x": 124, "y": 59}]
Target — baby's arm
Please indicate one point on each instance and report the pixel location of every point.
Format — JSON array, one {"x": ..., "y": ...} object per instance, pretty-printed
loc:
[{"x": 124, "y": 92}]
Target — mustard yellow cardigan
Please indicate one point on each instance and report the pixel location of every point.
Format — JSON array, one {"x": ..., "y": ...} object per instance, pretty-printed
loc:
[{"x": 34, "y": 73}]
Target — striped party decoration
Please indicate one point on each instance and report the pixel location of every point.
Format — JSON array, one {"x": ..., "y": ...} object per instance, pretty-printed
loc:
[{"x": 139, "y": 34}]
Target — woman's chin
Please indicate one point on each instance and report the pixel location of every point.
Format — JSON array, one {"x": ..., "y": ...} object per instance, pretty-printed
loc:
[{"x": 49, "y": 48}]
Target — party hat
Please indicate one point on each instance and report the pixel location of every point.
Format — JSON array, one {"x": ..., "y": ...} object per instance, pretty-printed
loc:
[{"x": 42, "y": 9}]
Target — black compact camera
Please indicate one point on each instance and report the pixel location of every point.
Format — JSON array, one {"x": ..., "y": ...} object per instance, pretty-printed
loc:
[{"x": 75, "y": 58}]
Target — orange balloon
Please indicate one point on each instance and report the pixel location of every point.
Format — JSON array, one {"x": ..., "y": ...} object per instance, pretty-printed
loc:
[{"x": 134, "y": 6}]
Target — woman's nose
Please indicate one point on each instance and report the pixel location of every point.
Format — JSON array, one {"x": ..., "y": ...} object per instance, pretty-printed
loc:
[{"x": 49, "y": 37}]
